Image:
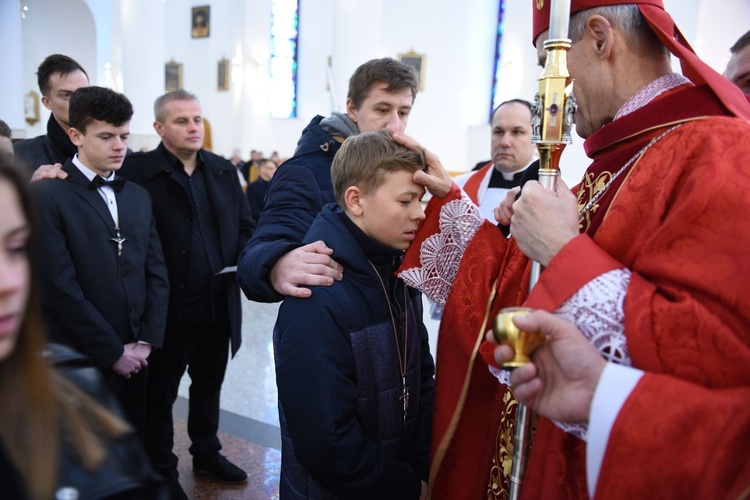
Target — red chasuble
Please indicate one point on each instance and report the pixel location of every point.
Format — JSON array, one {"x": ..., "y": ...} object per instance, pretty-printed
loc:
[
  {"x": 676, "y": 218},
  {"x": 697, "y": 445}
]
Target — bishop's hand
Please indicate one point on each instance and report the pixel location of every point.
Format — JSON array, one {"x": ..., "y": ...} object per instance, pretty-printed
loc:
[{"x": 544, "y": 220}]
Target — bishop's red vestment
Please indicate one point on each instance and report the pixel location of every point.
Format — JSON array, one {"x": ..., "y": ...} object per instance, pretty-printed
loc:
[{"x": 676, "y": 219}]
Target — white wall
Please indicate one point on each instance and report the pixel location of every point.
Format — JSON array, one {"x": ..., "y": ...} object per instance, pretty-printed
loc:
[
  {"x": 11, "y": 84},
  {"x": 46, "y": 30},
  {"x": 458, "y": 39}
]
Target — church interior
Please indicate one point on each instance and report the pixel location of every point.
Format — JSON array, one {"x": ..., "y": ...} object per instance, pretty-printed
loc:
[{"x": 262, "y": 70}]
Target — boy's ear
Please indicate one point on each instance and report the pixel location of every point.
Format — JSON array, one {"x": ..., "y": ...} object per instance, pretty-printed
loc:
[
  {"x": 75, "y": 136},
  {"x": 353, "y": 200}
]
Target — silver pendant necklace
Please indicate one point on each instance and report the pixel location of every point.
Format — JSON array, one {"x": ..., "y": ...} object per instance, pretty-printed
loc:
[{"x": 404, "y": 398}]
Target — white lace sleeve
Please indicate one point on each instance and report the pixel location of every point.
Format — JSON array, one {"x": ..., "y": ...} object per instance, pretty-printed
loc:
[
  {"x": 441, "y": 253},
  {"x": 598, "y": 310}
]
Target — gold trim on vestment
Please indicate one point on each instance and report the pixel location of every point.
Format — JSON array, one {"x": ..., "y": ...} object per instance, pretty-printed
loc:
[
  {"x": 584, "y": 224},
  {"x": 445, "y": 442}
]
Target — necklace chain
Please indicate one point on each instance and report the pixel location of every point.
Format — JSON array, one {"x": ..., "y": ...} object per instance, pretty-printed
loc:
[
  {"x": 612, "y": 179},
  {"x": 401, "y": 361}
]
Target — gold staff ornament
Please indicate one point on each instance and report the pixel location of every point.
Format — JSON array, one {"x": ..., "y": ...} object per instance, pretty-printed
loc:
[{"x": 553, "y": 115}]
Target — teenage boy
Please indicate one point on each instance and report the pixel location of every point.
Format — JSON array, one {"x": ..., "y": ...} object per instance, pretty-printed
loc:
[
  {"x": 353, "y": 365},
  {"x": 104, "y": 282}
]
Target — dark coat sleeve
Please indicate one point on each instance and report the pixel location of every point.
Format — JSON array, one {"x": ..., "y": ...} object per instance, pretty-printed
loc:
[
  {"x": 316, "y": 378},
  {"x": 246, "y": 220},
  {"x": 154, "y": 319},
  {"x": 293, "y": 200}
]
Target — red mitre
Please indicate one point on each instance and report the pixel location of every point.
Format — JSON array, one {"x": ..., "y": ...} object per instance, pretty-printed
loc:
[{"x": 664, "y": 27}]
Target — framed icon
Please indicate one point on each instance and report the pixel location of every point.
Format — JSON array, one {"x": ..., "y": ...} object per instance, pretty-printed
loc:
[
  {"x": 416, "y": 61},
  {"x": 201, "y": 21},
  {"x": 172, "y": 76},
  {"x": 223, "y": 75},
  {"x": 31, "y": 107}
]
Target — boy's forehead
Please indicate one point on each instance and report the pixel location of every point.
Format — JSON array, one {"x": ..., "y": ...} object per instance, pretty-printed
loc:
[
  {"x": 402, "y": 180},
  {"x": 101, "y": 126}
]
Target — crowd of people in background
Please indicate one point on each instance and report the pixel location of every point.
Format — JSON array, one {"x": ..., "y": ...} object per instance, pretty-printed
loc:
[{"x": 117, "y": 277}]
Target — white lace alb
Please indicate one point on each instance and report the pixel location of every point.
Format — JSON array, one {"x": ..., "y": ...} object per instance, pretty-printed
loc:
[{"x": 441, "y": 253}]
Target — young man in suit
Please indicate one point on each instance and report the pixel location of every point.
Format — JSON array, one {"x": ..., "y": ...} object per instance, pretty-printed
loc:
[{"x": 104, "y": 281}]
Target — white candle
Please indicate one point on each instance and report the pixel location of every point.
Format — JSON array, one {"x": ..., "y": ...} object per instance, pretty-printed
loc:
[{"x": 559, "y": 18}]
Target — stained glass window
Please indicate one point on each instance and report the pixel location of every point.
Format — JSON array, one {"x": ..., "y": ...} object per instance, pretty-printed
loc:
[
  {"x": 495, "y": 76},
  {"x": 283, "y": 70}
]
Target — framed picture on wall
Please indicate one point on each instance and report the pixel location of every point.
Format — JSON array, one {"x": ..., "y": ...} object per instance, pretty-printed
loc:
[
  {"x": 172, "y": 76},
  {"x": 31, "y": 107},
  {"x": 416, "y": 61},
  {"x": 201, "y": 21},
  {"x": 223, "y": 75}
]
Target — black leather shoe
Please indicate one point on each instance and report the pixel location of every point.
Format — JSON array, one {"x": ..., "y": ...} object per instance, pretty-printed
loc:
[
  {"x": 175, "y": 490},
  {"x": 219, "y": 467}
]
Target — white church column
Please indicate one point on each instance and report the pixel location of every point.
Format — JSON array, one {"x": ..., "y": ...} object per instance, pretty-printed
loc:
[
  {"x": 138, "y": 62},
  {"x": 11, "y": 84}
]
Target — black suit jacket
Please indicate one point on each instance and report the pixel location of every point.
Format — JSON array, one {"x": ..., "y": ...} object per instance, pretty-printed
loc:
[
  {"x": 92, "y": 300},
  {"x": 174, "y": 219}
]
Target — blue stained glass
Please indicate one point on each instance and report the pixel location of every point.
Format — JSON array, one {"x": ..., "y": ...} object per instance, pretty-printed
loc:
[
  {"x": 498, "y": 56},
  {"x": 283, "y": 70}
]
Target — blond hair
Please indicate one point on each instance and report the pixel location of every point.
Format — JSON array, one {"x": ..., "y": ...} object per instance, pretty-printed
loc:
[{"x": 365, "y": 160}]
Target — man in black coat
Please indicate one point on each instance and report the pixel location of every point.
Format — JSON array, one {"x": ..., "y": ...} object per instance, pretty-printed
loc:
[
  {"x": 104, "y": 282},
  {"x": 58, "y": 77},
  {"x": 203, "y": 220}
]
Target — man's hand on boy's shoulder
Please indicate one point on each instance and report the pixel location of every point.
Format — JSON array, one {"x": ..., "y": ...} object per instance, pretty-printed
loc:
[
  {"x": 309, "y": 265},
  {"x": 49, "y": 172}
]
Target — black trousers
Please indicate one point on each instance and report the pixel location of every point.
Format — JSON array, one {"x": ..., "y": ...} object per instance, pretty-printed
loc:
[
  {"x": 203, "y": 350},
  {"x": 131, "y": 393}
]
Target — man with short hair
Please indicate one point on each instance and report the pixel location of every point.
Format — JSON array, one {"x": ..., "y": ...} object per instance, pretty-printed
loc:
[
  {"x": 203, "y": 220},
  {"x": 104, "y": 282},
  {"x": 738, "y": 67},
  {"x": 512, "y": 153},
  {"x": 275, "y": 263},
  {"x": 643, "y": 256},
  {"x": 58, "y": 77}
]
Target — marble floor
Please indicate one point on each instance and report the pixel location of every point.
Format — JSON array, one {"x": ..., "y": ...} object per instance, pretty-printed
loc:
[{"x": 249, "y": 424}]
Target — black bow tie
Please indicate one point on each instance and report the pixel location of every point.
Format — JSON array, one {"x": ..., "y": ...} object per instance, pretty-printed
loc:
[{"x": 116, "y": 184}]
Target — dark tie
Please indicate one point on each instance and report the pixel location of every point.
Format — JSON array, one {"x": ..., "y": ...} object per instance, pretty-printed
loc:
[{"x": 116, "y": 184}]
